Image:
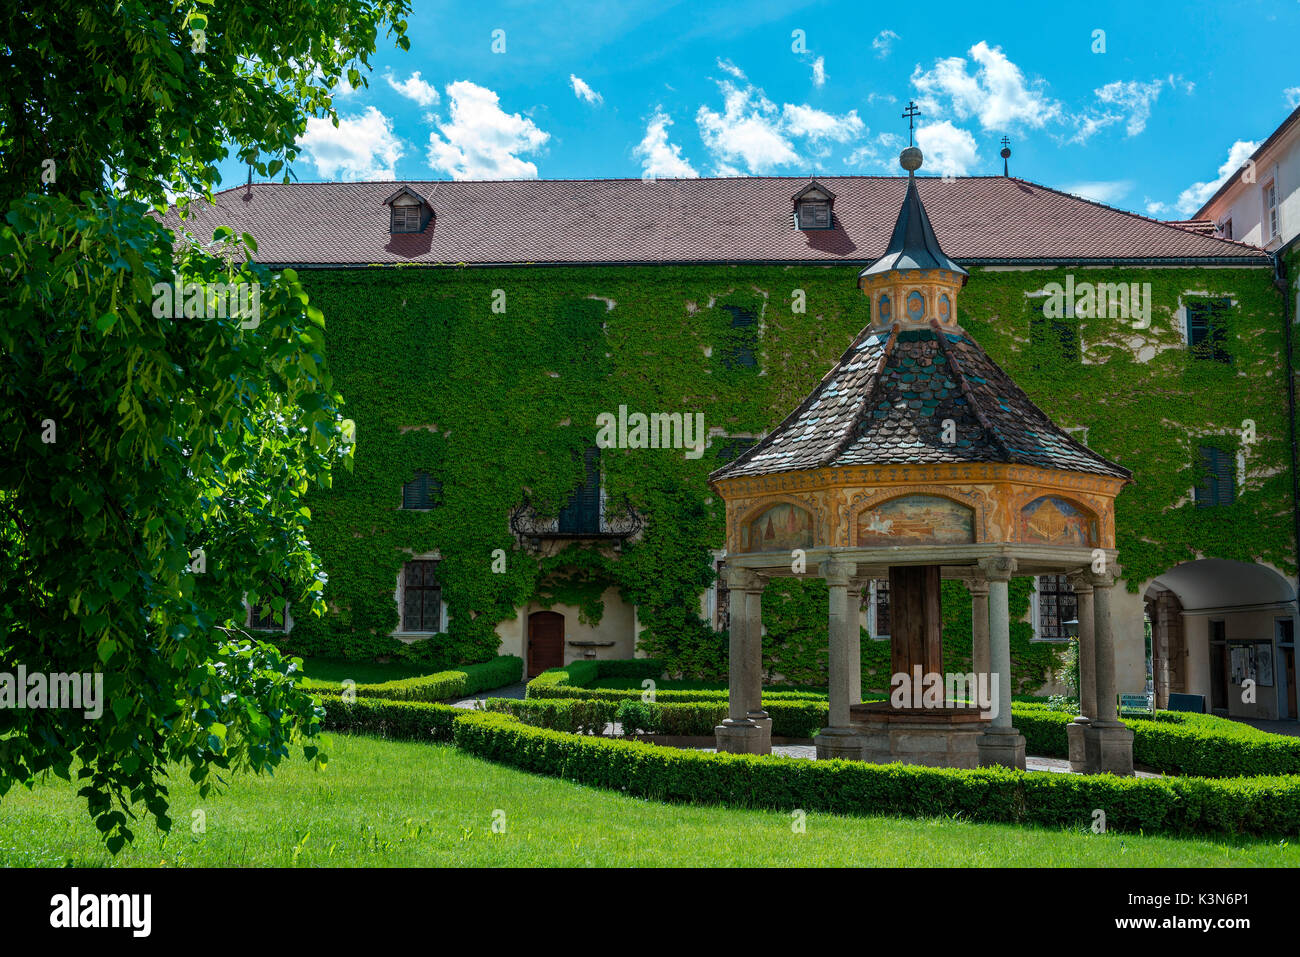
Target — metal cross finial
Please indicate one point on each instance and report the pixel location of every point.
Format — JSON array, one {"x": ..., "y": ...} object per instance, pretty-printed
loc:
[
  {"x": 909, "y": 114},
  {"x": 1005, "y": 141}
]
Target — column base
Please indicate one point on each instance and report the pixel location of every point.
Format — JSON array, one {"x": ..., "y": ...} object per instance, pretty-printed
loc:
[
  {"x": 1109, "y": 749},
  {"x": 1003, "y": 747},
  {"x": 741, "y": 737},
  {"x": 1080, "y": 759},
  {"x": 843, "y": 743},
  {"x": 764, "y": 722}
]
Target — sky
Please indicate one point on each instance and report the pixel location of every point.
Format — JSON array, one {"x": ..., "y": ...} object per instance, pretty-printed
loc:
[{"x": 1146, "y": 106}]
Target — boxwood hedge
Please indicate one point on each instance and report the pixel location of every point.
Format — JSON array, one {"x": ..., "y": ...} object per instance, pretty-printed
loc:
[
  {"x": 1256, "y": 806},
  {"x": 459, "y": 683}
]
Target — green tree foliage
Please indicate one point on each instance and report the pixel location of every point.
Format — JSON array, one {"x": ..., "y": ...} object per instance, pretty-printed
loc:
[{"x": 155, "y": 460}]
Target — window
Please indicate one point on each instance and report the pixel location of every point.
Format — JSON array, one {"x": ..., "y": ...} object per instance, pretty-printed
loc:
[
  {"x": 582, "y": 513},
  {"x": 1057, "y": 604},
  {"x": 1217, "y": 485},
  {"x": 743, "y": 340},
  {"x": 1052, "y": 339},
  {"x": 729, "y": 448},
  {"x": 404, "y": 219},
  {"x": 814, "y": 215},
  {"x": 421, "y": 597},
  {"x": 1207, "y": 324},
  {"x": 877, "y": 598},
  {"x": 1270, "y": 210},
  {"x": 270, "y": 614},
  {"x": 421, "y": 492},
  {"x": 1225, "y": 230},
  {"x": 722, "y": 599}
]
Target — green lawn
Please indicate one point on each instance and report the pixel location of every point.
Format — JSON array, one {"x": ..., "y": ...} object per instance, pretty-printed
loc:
[{"x": 383, "y": 803}]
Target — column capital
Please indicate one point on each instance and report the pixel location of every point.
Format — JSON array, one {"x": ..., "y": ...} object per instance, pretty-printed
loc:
[
  {"x": 978, "y": 587},
  {"x": 1081, "y": 582},
  {"x": 1104, "y": 579},
  {"x": 744, "y": 579},
  {"x": 999, "y": 568},
  {"x": 837, "y": 572}
]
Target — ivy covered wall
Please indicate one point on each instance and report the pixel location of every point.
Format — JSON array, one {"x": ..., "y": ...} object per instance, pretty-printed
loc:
[{"x": 499, "y": 404}]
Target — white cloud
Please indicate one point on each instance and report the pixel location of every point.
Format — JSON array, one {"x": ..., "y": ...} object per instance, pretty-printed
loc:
[
  {"x": 482, "y": 141},
  {"x": 996, "y": 93},
  {"x": 1134, "y": 98},
  {"x": 584, "y": 92},
  {"x": 1193, "y": 197},
  {"x": 883, "y": 43},
  {"x": 660, "y": 158},
  {"x": 947, "y": 148},
  {"x": 413, "y": 88},
  {"x": 362, "y": 147},
  {"x": 819, "y": 71},
  {"x": 1101, "y": 191},
  {"x": 1155, "y": 208},
  {"x": 1292, "y": 94},
  {"x": 752, "y": 133}
]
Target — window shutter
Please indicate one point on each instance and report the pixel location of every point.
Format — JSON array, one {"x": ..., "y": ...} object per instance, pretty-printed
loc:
[
  {"x": 1207, "y": 328},
  {"x": 741, "y": 349},
  {"x": 421, "y": 492},
  {"x": 814, "y": 215},
  {"x": 1218, "y": 486}
]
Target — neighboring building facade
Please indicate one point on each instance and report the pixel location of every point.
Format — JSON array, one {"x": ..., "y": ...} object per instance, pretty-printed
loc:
[
  {"x": 1260, "y": 204},
  {"x": 479, "y": 331}
]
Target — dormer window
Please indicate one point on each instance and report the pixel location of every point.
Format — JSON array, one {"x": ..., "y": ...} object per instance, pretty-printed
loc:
[
  {"x": 409, "y": 212},
  {"x": 813, "y": 207}
]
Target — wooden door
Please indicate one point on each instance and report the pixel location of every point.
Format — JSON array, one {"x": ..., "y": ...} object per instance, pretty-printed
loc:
[
  {"x": 545, "y": 642},
  {"x": 1288, "y": 662}
]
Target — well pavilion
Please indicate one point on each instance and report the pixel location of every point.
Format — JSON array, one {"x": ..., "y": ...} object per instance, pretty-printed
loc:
[{"x": 918, "y": 459}]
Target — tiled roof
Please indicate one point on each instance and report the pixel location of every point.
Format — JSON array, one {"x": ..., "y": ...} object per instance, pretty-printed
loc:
[
  {"x": 885, "y": 402},
  {"x": 742, "y": 219},
  {"x": 1205, "y": 227}
]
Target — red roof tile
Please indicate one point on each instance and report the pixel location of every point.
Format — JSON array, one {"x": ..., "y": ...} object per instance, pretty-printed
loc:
[{"x": 742, "y": 219}]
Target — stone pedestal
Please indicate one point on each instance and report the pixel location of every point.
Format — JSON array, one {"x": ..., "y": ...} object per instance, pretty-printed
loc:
[
  {"x": 742, "y": 737},
  {"x": 1002, "y": 746},
  {"x": 1109, "y": 749},
  {"x": 838, "y": 743},
  {"x": 934, "y": 738},
  {"x": 1081, "y": 761}
]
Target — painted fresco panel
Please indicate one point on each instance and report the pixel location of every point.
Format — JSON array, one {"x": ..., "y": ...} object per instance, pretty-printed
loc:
[
  {"x": 917, "y": 519},
  {"x": 780, "y": 528},
  {"x": 1054, "y": 521}
]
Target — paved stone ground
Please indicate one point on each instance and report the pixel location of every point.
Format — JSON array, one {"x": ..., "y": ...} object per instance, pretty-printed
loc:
[
  {"x": 509, "y": 691},
  {"x": 1289, "y": 728}
]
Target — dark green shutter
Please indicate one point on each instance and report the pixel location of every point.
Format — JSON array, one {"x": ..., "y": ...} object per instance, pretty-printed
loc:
[
  {"x": 743, "y": 341},
  {"x": 1207, "y": 328},
  {"x": 1218, "y": 483},
  {"x": 582, "y": 514}
]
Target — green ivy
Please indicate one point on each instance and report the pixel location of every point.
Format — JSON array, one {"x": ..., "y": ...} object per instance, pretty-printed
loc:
[{"x": 500, "y": 405}]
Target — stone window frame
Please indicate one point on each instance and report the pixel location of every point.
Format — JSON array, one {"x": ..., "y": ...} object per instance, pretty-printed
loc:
[{"x": 399, "y": 596}]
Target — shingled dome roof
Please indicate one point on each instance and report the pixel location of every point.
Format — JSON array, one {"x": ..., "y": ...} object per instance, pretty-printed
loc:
[{"x": 884, "y": 403}]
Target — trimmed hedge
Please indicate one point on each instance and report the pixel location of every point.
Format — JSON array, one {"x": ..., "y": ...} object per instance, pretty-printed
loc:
[
  {"x": 558, "y": 714},
  {"x": 459, "y": 683},
  {"x": 398, "y": 720},
  {"x": 1256, "y": 806},
  {"x": 790, "y": 719}
]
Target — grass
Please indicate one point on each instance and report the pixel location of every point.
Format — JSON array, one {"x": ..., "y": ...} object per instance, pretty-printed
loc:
[
  {"x": 390, "y": 804},
  {"x": 331, "y": 672}
]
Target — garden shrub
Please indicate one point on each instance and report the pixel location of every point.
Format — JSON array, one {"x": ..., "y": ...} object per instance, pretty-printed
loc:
[
  {"x": 790, "y": 719},
  {"x": 398, "y": 720},
  {"x": 468, "y": 680},
  {"x": 1257, "y": 806},
  {"x": 558, "y": 714}
]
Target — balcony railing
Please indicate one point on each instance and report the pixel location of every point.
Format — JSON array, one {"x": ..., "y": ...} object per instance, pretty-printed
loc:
[{"x": 620, "y": 524}]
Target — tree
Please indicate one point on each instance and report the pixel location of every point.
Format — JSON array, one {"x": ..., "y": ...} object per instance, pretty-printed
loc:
[{"x": 164, "y": 404}]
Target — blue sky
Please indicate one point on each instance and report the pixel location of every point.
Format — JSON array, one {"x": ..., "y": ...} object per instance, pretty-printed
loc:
[{"x": 1148, "y": 115}]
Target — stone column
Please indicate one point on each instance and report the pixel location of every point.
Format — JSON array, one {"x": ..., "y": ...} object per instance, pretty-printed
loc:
[
  {"x": 1079, "y": 742},
  {"x": 856, "y": 587},
  {"x": 753, "y": 667},
  {"x": 979, "y": 639},
  {"x": 738, "y": 733},
  {"x": 839, "y": 740},
  {"x": 1112, "y": 739},
  {"x": 1001, "y": 743}
]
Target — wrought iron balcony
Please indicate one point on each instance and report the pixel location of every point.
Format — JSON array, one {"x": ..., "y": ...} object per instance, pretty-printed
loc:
[{"x": 575, "y": 523}]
